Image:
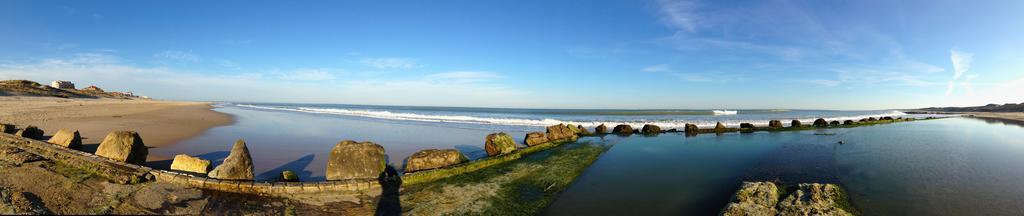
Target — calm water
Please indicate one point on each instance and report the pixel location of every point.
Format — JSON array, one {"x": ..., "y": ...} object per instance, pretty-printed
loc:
[{"x": 940, "y": 167}]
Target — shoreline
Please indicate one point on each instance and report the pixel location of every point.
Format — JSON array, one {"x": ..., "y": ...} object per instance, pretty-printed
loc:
[
  {"x": 1017, "y": 117},
  {"x": 160, "y": 123}
]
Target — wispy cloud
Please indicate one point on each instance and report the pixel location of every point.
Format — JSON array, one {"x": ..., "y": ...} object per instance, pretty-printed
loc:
[
  {"x": 961, "y": 64},
  {"x": 464, "y": 77},
  {"x": 679, "y": 15},
  {"x": 308, "y": 75},
  {"x": 390, "y": 63},
  {"x": 173, "y": 56},
  {"x": 656, "y": 68}
]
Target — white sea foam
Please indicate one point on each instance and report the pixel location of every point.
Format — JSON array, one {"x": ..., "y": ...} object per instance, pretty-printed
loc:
[
  {"x": 540, "y": 122},
  {"x": 725, "y": 112}
]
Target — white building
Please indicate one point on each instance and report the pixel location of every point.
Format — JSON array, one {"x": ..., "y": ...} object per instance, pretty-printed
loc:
[{"x": 61, "y": 84}]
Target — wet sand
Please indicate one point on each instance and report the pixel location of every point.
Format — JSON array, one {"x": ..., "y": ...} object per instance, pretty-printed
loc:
[{"x": 160, "y": 123}]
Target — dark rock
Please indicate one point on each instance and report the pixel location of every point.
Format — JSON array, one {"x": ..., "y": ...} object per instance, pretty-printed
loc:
[
  {"x": 535, "y": 138},
  {"x": 238, "y": 164},
  {"x": 651, "y": 129},
  {"x": 560, "y": 132},
  {"x": 746, "y": 125},
  {"x": 820, "y": 123},
  {"x": 623, "y": 129},
  {"x": 499, "y": 143},
  {"x": 6, "y": 128},
  {"x": 887, "y": 118},
  {"x": 848, "y": 122},
  {"x": 719, "y": 127},
  {"x": 601, "y": 129},
  {"x": 31, "y": 132},
  {"x": 288, "y": 176},
  {"x": 872, "y": 119},
  {"x": 124, "y": 146},
  {"x": 582, "y": 130},
  {"x": 67, "y": 139},
  {"x": 691, "y": 129},
  {"x": 775, "y": 124},
  {"x": 433, "y": 159},
  {"x": 795, "y": 124},
  {"x": 357, "y": 160},
  {"x": 672, "y": 130},
  {"x": 834, "y": 123}
]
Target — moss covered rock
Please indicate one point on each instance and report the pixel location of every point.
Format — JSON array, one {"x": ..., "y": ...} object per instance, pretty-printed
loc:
[
  {"x": 601, "y": 129},
  {"x": 499, "y": 143},
  {"x": 237, "y": 166},
  {"x": 691, "y": 129},
  {"x": 814, "y": 199},
  {"x": 820, "y": 123},
  {"x": 356, "y": 160},
  {"x": 775, "y": 124},
  {"x": 433, "y": 159},
  {"x": 535, "y": 138},
  {"x": 753, "y": 198},
  {"x": 560, "y": 132},
  {"x": 795, "y": 124},
  {"x": 623, "y": 129},
  {"x": 288, "y": 176}
]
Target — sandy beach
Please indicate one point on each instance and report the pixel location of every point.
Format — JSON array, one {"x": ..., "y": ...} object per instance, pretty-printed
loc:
[
  {"x": 160, "y": 123},
  {"x": 1009, "y": 116}
]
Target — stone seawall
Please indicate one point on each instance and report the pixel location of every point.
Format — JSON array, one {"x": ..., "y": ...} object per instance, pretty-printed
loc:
[{"x": 125, "y": 173}]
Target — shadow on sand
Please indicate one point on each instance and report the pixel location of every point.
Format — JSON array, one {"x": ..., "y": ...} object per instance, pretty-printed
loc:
[
  {"x": 390, "y": 182},
  {"x": 298, "y": 166}
]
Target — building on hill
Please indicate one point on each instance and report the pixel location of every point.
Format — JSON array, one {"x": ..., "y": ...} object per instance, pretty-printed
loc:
[
  {"x": 125, "y": 94},
  {"x": 61, "y": 84},
  {"x": 93, "y": 88}
]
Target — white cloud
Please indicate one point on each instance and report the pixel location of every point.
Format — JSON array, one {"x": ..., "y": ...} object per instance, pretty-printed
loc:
[
  {"x": 172, "y": 56},
  {"x": 390, "y": 63},
  {"x": 692, "y": 77},
  {"x": 308, "y": 75},
  {"x": 961, "y": 62},
  {"x": 679, "y": 14},
  {"x": 656, "y": 68},
  {"x": 464, "y": 77}
]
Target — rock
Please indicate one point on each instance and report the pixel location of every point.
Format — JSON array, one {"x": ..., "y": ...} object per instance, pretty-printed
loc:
[
  {"x": 433, "y": 159},
  {"x": 775, "y": 124},
  {"x": 20, "y": 203},
  {"x": 601, "y": 129},
  {"x": 582, "y": 130},
  {"x": 795, "y": 124},
  {"x": 572, "y": 128},
  {"x": 169, "y": 199},
  {"x": 560, "y": 132},
  {"x": 357, "y": 160},
  {"x": 863, "y": 120},
  {"x": 650, "y": 129},
  {"x": 6, "y": 128},
  {"x": 535, "y": 138},
  {"x": 187, "y": 163},
  {"x": 719, "y": 127},
  {"x": 691, "y": 129},
  {"x": 753, "y": 198},
  {"x": 747, "y": 125},
  {"x": 67, "y": 139},
  {"x": 848, "y": 122},
  {"x": 814, "y": 199},
  {"x": 673, "y": 130},
  {"x": 238, "y": 164},
  {"x": 500, "y": 143},
  {"x": 872, "y": 119},
  {"x": 31, "y": 132},
  {"x": 887, "y": 118},
  {"x": 288, "y": 176},
  {"x": 820, "y": 123},
  {"x": 834, "y": 123},
  {"x": 623, "y": 129},
  {"x": 124, "y": 146}
]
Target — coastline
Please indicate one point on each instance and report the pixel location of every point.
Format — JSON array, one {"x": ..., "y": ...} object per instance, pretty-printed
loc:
[
  {"x": 160, "y": 123},
  {"x": 1006, "y": 116}
]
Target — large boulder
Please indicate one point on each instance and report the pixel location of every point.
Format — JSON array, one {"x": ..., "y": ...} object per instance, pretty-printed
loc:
[
  {"x": 719, "y": 127},
  {"x": 814, "y": 199},
  {"x": 559, "y": 132},
  {"x": 535, "y": 138},
  {"x": 775, "y": 124},
  {"x": 238, "y": 164},
  {"x": 872, "y": 119},
  {"x": 183, "y": 162},
  {"x": 623, "y": 129},
  {"x": 31, "y": 132},
  {"x": 848, "y": 122},
  {"x": 820, "y": 123},
  {"x": 572, "y": 128},
  {"x": 7, "y": 128},
  {"x": 433, "y": 159},
  {"x": 67, "y": 138},
  {"x": 650, "y": 129},
  {"x": 499, "y": 143},
  {"x": 746, "y": 125},
  {"x": 887, "y": 118},
  {"x": 288, "y": 176},
  {"x": 356, "y": 160},
  {"x": 753, "y": 198},
  {"x": 795, "y": 124},
  {"x": 601, "y": 129},
  {"x": 691, "y": 129},
  {"x": 124, "y": 146}
]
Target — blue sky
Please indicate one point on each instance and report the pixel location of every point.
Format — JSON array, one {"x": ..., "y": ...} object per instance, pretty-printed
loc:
[{"x": 541, "y": 54}]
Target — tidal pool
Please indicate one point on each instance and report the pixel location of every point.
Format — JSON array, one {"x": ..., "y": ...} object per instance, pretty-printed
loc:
[{"x": 956, "y": 166}]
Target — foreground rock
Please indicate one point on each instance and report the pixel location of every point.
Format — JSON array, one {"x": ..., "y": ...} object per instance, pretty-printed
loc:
[
  {"x": 746, "y": 125},
  {"x": 691, "y": 129},
  {"x": 187, "y": 163},
  {"x": 848, "y": 122},
  {"x": 535, "y": 138},
  {"x": 433, "y": 159},
  {"x": 124, "y": 146},
  {"x": 31, "y": 132},
  {"x": 238, "y": 164},
  {"x": 814, "y": 199},
  {"x": 719, "y": 127},
  {"x": 775, "y": 124},
  {"x": 601, "y": 129},
  {"x": 67, "y": 139},
  {"x": 499, "y": 143},
  {"x": 356, "y": 160},
  {"x": 820, "y": 123},
  {"x": 795, "y": 124},
  {"x": 6, "y": 128},
  {"x": 560, "y": 132},
  {"x": 762, "y": 198},
  {"x": 753, "y": 198},
  {"x": 650, "y": 129},
  {"x": 623, "y": 129},
  {"x": 19, "y": 203}
]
